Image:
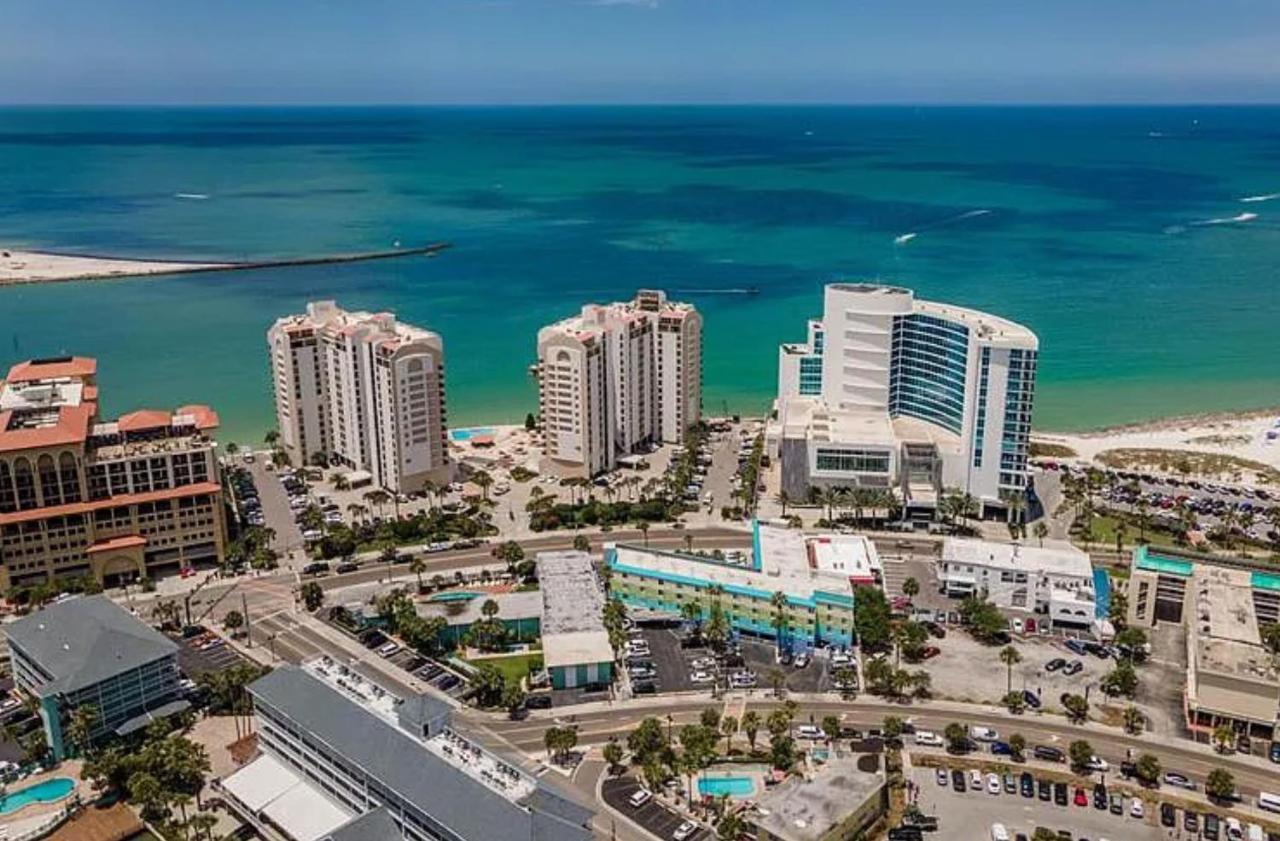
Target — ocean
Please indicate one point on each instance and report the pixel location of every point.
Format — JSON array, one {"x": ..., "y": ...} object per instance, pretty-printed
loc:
[{"x": 1115, "y": 233}]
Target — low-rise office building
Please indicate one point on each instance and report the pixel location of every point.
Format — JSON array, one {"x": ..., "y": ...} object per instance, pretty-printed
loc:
[
  {"x": 88, "y": 651},
  {"x": 1223, "y": 604},
  {"x": 1056, "y": 579},
  {"x": 114, "y": 500},
  {"x": 343, "y": 759},
  {"x": 575, "y": 646},
  {"x": 815, "y": 573},
  {"x": 839, "y": 800}
]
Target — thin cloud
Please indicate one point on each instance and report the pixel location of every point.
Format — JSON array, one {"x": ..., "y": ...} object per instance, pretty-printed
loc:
[{"x": 644, "y": 4}]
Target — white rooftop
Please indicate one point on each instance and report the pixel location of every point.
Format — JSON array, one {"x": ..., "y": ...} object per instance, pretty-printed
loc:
[
  {"x": 41, "y": 394},
  {"x": 785, "y": 564},
  {"x": 355, "y": 686},
  {"x": 270, "y": 787},
  {"x": 1054, "y": 558}
]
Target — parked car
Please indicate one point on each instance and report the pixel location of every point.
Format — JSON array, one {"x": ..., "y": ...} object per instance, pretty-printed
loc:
[
  {"x": 639, "y": 798},
  {"x": 1074, "y": 667},
  {"x": 1054, "y": 664},
  {"x": 1174, "y": 778},
  {"x": 929, "y": 739},
  {"x": 1048, "y": 754},
  {"x": 684, "y": 830},
  {"x": 982, "y": 734},
  {"x": 1076, "y": 646},
  {"x": 1031, "y": 699}
]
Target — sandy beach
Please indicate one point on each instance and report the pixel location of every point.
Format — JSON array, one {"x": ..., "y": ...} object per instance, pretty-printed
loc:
[
  {"x": 39, "y": 267},
  {"x": 1239, "y": 436}
]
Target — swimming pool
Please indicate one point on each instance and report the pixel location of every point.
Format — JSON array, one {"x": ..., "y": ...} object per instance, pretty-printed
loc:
[
  {"x": 732, "y": 786},
  {"x": 468, "y": 434},
  {"x": 455, "y": 596},
  {"x": 45, "y": 792}
]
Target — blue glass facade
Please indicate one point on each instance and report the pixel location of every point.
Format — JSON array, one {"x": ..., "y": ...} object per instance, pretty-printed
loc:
[
  {"x": 811, "y": 375},
  {"x": 1016, "y": 435},
  {"x": 980, "y": 425},
  {"x": 929, "y": 360}
]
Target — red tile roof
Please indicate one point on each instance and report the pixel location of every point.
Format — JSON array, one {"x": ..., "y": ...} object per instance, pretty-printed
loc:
[
  {"x": 143, "y": 419},
  {"x": 36, "y": 369},
  {"x": 72, "y": 427},
  {"x": 122, "y": 499},
  {"x": 126, "y": 541},
  {"x": 205, "y": 417}
]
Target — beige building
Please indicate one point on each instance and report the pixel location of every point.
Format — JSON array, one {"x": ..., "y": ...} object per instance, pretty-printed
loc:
[
  {"x": 364, "y": 391},
  {"x": 838, "y": 801},
  {"x": 616, "y": 379},
  {"x": 1231, "y": 678},
  {"x": 119, "y": 499}
]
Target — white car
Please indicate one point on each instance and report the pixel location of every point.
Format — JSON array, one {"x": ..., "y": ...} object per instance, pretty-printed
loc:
[
  {"x": 809, "y": 731},
  {"x": 1097, "y": 763},
  {"x": 975, "y": 780},
  {"x": 640, "y": 797},
  {"x": 684, "y": 830},
  {"x": 993, "y": 784},
  {"x": 701, "y": 677},
  {"x": 983, "y": 734},
  {"x": 929, "y": 739},
  {"x": 802, "y": 660},
  {"x": 703, "y": 662},
  {"x": 1136, "y": 809},
  {"x": 999, "y": 833}
]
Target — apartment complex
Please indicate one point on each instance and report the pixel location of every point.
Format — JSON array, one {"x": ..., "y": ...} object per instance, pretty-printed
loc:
[
  {"x": 815, "y": 573},
  {"x": 575, "y": 644},
  {"x": 117, "y": 500},
  {"x": 90, "y": 651},
  {"x": 343, "y": 759},
  {"x": 1055, "y": 580},
  {"x": 616, "y": 379},
  {"x": 363, "y": 391},
  {"x": 1223, "y": 604},
  {"x": 893, "y": 392}
]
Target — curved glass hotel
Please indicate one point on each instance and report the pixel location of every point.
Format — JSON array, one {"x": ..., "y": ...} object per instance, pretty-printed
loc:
[{"x": 894, "y": 392}]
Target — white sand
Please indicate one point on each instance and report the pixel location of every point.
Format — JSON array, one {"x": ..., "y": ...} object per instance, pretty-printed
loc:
[
  {"x": 37, "y": 267},
  {"x": 1242, "y": 435}
]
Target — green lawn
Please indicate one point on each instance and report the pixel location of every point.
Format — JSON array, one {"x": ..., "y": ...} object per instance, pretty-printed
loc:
[
  {"x": 1104, "y": 535},
  {"x": 514, "y": 668}
]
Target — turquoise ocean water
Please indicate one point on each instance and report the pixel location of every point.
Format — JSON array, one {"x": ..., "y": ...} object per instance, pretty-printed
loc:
[{"x": 1105, "y": 230}]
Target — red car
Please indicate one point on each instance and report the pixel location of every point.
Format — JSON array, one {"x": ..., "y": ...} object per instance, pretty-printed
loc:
[
  {"x": 1029, "y": 625},
  {"x": 900, "y": 603},
  {"x": 930, "y": 651},
  {"x": 1081, "y": 800}
]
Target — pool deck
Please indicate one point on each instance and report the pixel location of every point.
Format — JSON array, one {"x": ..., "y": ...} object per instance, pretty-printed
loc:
[{"x": 71, "y": 769}]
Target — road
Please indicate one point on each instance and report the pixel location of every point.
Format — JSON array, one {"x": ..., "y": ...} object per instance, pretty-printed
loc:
[{"x": 598, "y": 725}]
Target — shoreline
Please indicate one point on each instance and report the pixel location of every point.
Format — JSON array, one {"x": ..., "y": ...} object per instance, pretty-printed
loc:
[{"x": 20, "y": 267}]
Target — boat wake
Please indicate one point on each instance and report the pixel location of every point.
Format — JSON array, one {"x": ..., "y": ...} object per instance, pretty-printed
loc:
[
  {"x": 191, "y": 196},
  {"x": 1239, "y": 218},
  {"x": 1264, "y": 197},
  {"x": 903, "y": 239}
]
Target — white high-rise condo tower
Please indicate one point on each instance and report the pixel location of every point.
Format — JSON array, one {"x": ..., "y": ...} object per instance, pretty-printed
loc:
[
  {"x": 365, "y": 391},
  {"x": 893, "y": 392},
  {"x": 616, "y": 379}
]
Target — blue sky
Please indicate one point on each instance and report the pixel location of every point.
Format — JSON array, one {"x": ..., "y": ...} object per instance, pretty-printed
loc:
[{"x": 572, "y": 51}]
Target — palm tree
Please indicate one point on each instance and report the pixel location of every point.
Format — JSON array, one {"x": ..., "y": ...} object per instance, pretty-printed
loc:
[
  {"x": 911, "y": 588},
  {"x": 483, "y": 481},
  {"x": 778, "y": 601},
  {"x": 84, "y": 719},
  {"x": 688, "y": 542},
  {"x": 643, "y": 525},
  {"x": 1041, "y": 531},
  {"x": 271, "y": 438},
  {"x": 751, "y": 726},
  {"x": 728, "y": 726},
  {"x": 341, "y": 482},
  {"x": 417, "y": 566},
  {"x": 783, "y": 499},
  {"x": 830, "y": 497},
  {"x": 1010, "y": 657}
]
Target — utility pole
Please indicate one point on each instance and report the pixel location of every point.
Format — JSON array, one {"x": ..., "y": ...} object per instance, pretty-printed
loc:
[{"x": 248, "y": 631}]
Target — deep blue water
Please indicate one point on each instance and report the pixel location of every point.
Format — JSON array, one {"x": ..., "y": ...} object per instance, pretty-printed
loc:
[{"x": 1092, "y": 226}]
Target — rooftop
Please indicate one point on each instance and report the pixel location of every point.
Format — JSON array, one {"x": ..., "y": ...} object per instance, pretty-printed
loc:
[
  {"x": 572, "y": 610},
  {"x": 455, "y": 781},
  {"x": 799, "y": 565},
  {"x": 461, "y": 611},
  {"x": 806, "y": 809},
  {"x": 85, "y": 640},
  {"x": 77, "y": 367},
  {"x": 1054, "y": 558},
  {"x": 380, "y": 328}
]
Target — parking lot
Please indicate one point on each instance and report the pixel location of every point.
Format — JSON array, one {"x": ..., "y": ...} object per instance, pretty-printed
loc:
[
  {"x": 433, "y": 673},
  {"x": 205, "y": 653},
  {"x": 958, "y": 817},
  {"x": 653, "y": 817},
  {"x": 963, "y": 657}
]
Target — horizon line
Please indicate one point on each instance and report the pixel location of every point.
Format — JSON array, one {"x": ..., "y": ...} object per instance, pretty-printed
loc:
[{"x": 665, "y": 104}]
